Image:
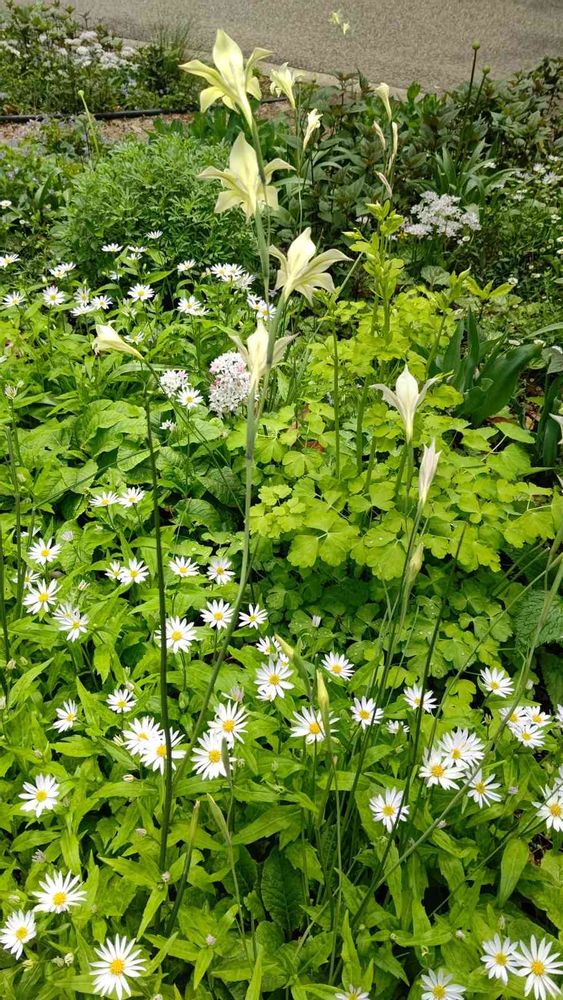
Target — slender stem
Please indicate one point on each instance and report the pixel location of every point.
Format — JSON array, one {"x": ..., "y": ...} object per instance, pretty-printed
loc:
[
  {"x": 185, "y": 870},
  {"x": 167, "y": 803},
  {"x": 336, "y": 404},
  {"x": 3, "y": 680}
]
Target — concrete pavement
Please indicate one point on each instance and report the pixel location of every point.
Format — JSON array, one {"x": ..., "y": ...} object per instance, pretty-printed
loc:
[{"x": 392, "y": 40}]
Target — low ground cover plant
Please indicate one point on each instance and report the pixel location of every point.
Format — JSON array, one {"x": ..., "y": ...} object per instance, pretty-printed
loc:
[{"x": 280, "y": 602}]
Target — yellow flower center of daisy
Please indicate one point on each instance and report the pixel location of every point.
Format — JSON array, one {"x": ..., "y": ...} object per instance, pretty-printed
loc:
[
  {"x": 161, "y": 750},
  {"x": 228, "y": 726},
  {"x": 40, "y": 795},
  {"x": 218, "y": 616},
  {"x": 43, "y": 596},
  {"x": 45, "y": 552},
  {"x": 105, "y": 501},
  {"x": 555, "y": 809},
  {"x": 336, "y": 668},
  {"x": 274, "y": 678},
  {"x": 388, "y": 810},
  {"x": 437, "y": 770},
  {"x": 219, "y": 569},
  {"x": 500, "y": 958},
  {"x": 480, "y": 788},
  {"x": 116, "y": 967},
  {"x": 76, "y": 623},
  {"x": 134, "y": 572},
  {"x": 363, "y": 713},
  {"x": 70, "y": 716},
  {"x": 416, "y": 701},
  {"x": 59, "y": 898},
  {"x": 495, "y": 685},
  {"x": 122, "y": 703},
  {"x": 314, "y": 728},
  {"x": 439, "y": 992},
  {"x": 537, "y": 967},
  {"x": 526, "y": 735},
  {"x": 456, "y": 753},
  {"x": 22, "y": 933},
  {"x": 514, "y": 717},
  {"x": 214, "y": 756},
  {"x": 176, "y": 635}
]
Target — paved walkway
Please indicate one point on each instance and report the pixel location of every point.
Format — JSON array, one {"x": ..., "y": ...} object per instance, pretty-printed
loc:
[{"x": 392, "y": 40}]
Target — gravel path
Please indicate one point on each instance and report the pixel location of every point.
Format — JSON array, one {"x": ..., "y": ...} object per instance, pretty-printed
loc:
[{"x": 392, "y": 40}]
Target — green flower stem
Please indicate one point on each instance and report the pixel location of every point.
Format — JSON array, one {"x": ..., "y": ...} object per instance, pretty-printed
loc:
[
  {"x": 336, "y": 405},
  {"x": 3, "y": 617},
  {"x": 163, "y": 682},
  {"x": 359, "y": 425},
  {"x": 185, "y": 870}
]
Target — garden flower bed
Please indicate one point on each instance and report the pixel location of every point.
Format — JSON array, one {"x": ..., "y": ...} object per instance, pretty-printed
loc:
[{"x": 280, "y": 550}]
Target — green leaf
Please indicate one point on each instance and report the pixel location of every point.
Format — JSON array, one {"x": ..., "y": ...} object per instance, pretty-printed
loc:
[
  {"x": 514, "y": 860},
  {"x": 352, "y": 965},
  {"x": 254, "y": 991},
  {"x": 282, "y": 892},
  {"x": 272, "y": 821}
]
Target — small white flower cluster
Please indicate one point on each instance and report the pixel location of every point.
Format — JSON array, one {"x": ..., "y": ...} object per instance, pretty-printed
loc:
[
  {"x": 273, "y": 678},
  {"x": 129, "y": 498},
  {"x": 145, "y": 739},
  {"x": 231, "y": 385},
  {"x": 87, "y": 49},
  {"x": 440, "y": 215},
  {"x": 263, "y": 310},
  {"x": 210, "y": 757},
  {"x": 232, "y": 274},
  {"x": 535, "y": 962},
  {"x": 551, "y": 808},
  {"x": 172, "y": 381}
]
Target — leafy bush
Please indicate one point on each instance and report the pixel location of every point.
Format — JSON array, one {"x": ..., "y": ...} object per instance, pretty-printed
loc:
[{"x": 140, "y": 187}]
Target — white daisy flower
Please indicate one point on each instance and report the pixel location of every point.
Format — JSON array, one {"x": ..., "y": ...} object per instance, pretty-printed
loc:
[
  {"x": 17, "y": 931},
  {"x": 6, "y": 203},
  {"x": 131, "y": 497},
  {"x": 121, "y": 701},
  {"x": 58, "y": 892},
  {"x": 388, "y": 808},
  {"x": 461, "y": 748},
  {"x": 179, "y": 635},
  {"x": 219, "y": 570},
  {"x": 61, "y": 269},
  {"x": 13, "y": 299},
  {"x": 82, "y": 310},
  {"x": 229, "y": 723},
  {"x": 82, "y": 296},
  {"x": 113, "y": 570},
  {"x": 40, "y": 797},
  {"x": 338, "y": 665},
  {"x": 185, "y": 265},
  {"x": 29, "y": 577},
  {"x": 189, "y": 398},
  {"x": 52, "y": 296},
  {"x": 154, "y": 234},
  {"x": 538, "y": 965},
  {"x": 413, "y": 698},
  {"x": 137, "y": 250},
  {"x": 309, "y": 724},
  {"x": 112, "y": 248},
  {"x": 218, "y": 614},
  {"x": 534, "y": 714},
  {"x": 66, "y": 716},
  {"x": 497, "y": 682},
  {"x": 44, "y": 552},
  {"x": 513, "y": 717},
  {"x": 107, "y": 499},
  {"x": 269, "y": 646},
  {"x": 500, "y": 957},
  {"x": 8, "y": 258},
  {"x": 437, "y": 771},
  {"x": 101, "y": 302},
  {"x": 529, "y": 735},
  {"x": 439, "y": 986},
  {"x": 255, "y": 617},
  {"x": 141, "y": 293},
  {"x": 154, "y": 754},
  {"x": 482, "y": 790},
  {"x": 40, "y": 598},
  {"x": 551, "y": 809},
  {"x": 273, "y": 681},
  {"x": 352, "y": 993},
  {"x": 134, "y": 572},
  {"x": 394, "y": 726},
  {"x": 142, "y": 732},
  {"x": 74, "y": 624},
  {"x": 365, "y": 712},
  {"x": 118, "y": 963},
  {"x": 208, "y": 757},
  {"x": 190, "y": 306},
  {"x": 183, "y": 567}
]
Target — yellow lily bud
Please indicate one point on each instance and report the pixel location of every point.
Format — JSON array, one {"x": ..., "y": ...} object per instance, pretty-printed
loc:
[
  {"x": 108, "y": 340},
  {"x": 383, "y": 93},
  {"x": 232, "y": 79}
]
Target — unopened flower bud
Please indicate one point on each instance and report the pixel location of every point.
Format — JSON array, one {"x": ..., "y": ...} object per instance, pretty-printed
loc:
[
  {"x": 69, "y": 958},
  {"x": 129, "y": 777},
  {"x": 475, "y": 45},
  {"x": 165, "y": 877},
  {"x": 140, "y": 831},
  {"x": 210, "y": 940}
]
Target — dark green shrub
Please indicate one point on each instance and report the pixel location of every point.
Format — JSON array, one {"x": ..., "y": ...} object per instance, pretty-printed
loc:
[{"x": 139, "y": 187}]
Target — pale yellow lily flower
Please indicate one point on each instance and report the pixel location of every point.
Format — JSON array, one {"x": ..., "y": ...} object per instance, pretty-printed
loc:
[
  {"x": 313, "y": 123},
  {"x": 255, "y": 351},
  {"x": 107, "y": 339},
  {"x": 558, "y": 420},
  {"x": 406, "y": 398},
  {"x": 301, "y": 271},
  {"x": 282, "y": 82},
  {"x": 232, "y": 79},
  {"x": 242, "y": 182},
  {"x": 383, "y": 93},
  {"x": 427, "y": 471}
]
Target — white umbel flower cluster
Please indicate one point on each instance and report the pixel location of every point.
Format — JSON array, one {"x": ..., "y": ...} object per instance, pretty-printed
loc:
[
  {"x": 440, "y": 215},
  {"x": 231, "y": 384}
]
